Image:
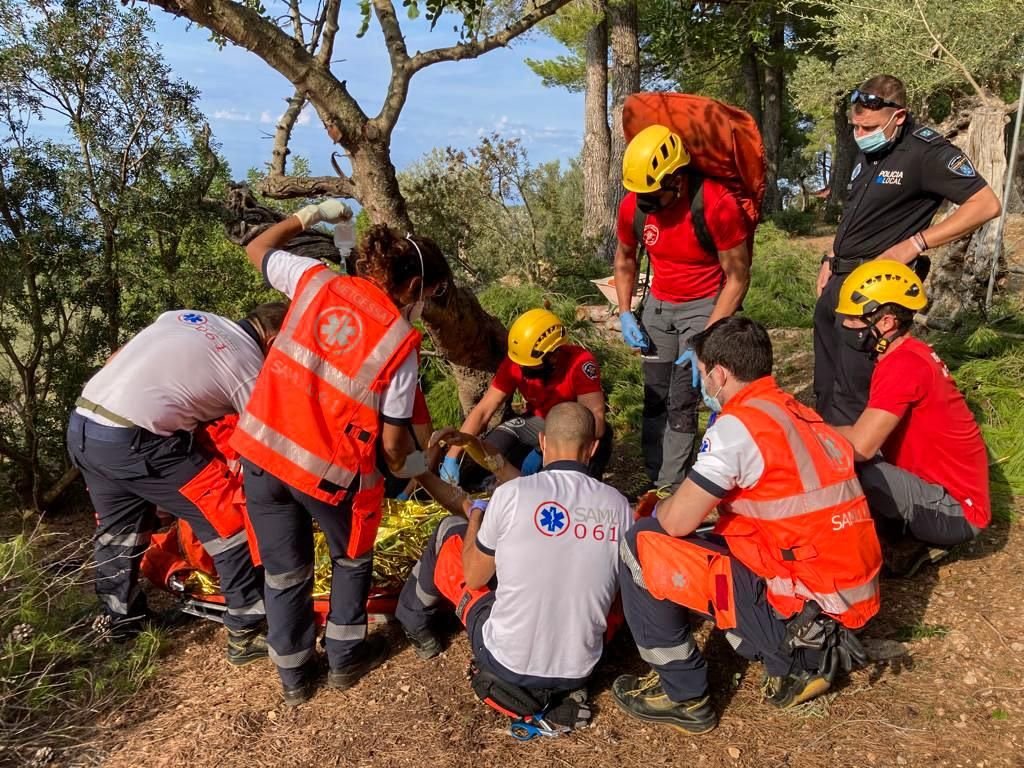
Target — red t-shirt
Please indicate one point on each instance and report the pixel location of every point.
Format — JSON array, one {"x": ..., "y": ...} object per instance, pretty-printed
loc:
[
  {"x": 683, "y": 271},
  {"x": 575, "y": 373},
  {"x": 937, "y": 438}
]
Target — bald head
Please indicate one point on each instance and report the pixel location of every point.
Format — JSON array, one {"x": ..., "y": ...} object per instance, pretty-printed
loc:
[{"x": 568, "y": 434}]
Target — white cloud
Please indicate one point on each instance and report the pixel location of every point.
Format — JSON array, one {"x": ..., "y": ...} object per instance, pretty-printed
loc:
[
  {"x": 232, "y": 115},
  {"x": 266, "y": 118},
  {"x": 305, "y": 117}
]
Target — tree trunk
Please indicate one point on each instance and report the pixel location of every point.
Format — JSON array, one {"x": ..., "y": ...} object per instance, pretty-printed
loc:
[
  {"x": 625, "y": 79},
  {"x": 843, "y": 155},
  {"x": 377, "y": 185},
  {"x": 774, "y": 91},
  {"x": 597, "y": 214},
  {"x": 752, "y": 85},
  {"x": 960, "y": 270}
]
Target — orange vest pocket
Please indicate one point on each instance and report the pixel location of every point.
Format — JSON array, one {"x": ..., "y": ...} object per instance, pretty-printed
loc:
[{"x": 213, "y": 492}]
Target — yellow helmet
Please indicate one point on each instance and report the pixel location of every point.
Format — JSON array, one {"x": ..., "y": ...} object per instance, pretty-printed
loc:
[
  {"x": 533, "y": 335},
  {"x": 878, "y": 282},
  {"x": 653, "y": 154}
]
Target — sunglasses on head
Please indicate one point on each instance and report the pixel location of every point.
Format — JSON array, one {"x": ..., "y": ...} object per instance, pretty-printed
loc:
[{"x": 871, "y": 101}]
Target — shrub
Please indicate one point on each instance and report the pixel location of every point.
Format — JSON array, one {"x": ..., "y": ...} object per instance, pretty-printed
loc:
[{"x": 782, "y": 281}]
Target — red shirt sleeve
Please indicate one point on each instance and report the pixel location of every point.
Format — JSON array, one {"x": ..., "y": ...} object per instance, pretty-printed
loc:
[
  {"x": 624, "y": 229},
  {"x": 507, "y": 378},
  {"x": 727, "y": 222},
  {"x": 586, "y": 375},
  {"x": 898, "y": 383}
]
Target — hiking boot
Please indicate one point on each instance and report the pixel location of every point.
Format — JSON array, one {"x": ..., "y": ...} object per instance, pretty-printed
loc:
[
  {"x": 644, "y": 698},
  {"x": 371, "y": 654},
  {"x": 788, "y": 691},
  {"x": 246, "y": 646},
  {"x": 424, "y": 642},
  {"x": 903, "y": 559},
  {"x": 303, "y": 692}
]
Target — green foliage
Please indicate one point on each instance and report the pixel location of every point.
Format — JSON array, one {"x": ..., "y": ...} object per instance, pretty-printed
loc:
[
  {"x": 103, "y": 231},
  {"x": 987, "y": 361},
  {"x": 910, "y": 633},
  {"x": 795, "y": 222},
  {"x": 782, "y": 281},
  {"x": 56, "y": 668}
]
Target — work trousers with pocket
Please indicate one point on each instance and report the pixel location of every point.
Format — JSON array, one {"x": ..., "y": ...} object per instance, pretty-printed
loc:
[
  {"x": 654, "y": 577},
  {"x": 670, "y": 399},
  {"x": 282, "y": 518},
  {"x": 129, "y": 473}
]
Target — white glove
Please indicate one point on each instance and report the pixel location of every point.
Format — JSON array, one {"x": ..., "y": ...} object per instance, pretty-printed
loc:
[
  {"x": 415, "y": 465},
  {"x": 330, "y": 211}
]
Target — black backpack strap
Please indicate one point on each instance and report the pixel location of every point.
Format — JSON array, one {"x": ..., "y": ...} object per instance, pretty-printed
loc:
[
  {"x": 639, "y": 222},
  {"x": 700, "y": 223}
]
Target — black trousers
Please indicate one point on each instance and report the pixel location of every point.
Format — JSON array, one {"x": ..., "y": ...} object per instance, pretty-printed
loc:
[
  {"x": 516, "y": 437},
  {"x": 131, "y": 472},
  {"x": 283, "y": 520},
  {"x": 661, "y": 628},
  {"x": 842, "y": 375}
]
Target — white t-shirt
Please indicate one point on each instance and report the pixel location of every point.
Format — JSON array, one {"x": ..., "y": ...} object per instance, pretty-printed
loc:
[
  {"x": 555, "y": 539},
  {"x": 186, "y": 368},
  {"x": 283, "y": 270},
  {"x": 728, "y": 458}
]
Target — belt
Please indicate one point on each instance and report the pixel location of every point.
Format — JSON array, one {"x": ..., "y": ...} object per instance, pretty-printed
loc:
[
  {"x": 106, "y": 434},
  {"x": 88, "y": 405},
  {"x": 841, "y": 266}
]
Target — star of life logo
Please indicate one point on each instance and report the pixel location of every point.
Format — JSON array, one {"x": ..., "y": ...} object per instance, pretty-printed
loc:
[
  {"x": 551, "y": 518},
  {"x": 191, "y": 318},
  {"x": 337, "y": 329},
  {"x": 651, "y": 234}
]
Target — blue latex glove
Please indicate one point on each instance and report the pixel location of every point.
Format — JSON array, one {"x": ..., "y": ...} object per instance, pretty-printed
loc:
[
  {"x": 691, "y": 357},
  {"x": 450, "y": 470},
  {"x": 631, "y": 332},
  {"x": 532, "y": 463},
  {"x": 403, "y": 496}
]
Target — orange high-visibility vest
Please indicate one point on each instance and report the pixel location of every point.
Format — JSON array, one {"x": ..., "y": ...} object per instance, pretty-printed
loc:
[
  {"x": 805, "y": 526},
  {"x": 313, "y": 419}
]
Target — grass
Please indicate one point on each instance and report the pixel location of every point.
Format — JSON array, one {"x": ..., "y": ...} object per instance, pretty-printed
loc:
[
  {"x": 56, "y": 670},
  {"x": 782, "y": 280},
  {"x": 909, "y": 634}
]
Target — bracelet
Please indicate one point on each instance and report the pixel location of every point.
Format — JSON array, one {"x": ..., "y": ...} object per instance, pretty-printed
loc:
[{"x": 919, "y": 242}]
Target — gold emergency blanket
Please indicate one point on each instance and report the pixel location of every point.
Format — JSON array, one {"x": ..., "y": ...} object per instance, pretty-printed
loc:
[{"x": 403, "y": 533}]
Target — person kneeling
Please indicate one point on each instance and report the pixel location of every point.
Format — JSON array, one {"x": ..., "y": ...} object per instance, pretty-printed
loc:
[
  {"x": 930, "y": 478},
  {"x": 794, "y": 560},
  {"x": 532, "y": 579}
]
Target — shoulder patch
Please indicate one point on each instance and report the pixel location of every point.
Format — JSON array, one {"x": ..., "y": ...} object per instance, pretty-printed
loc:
[
  {"x": 926, "y": 134},
  {"x": 590, "y": 369},
  {"x": 961, "y": 166}
]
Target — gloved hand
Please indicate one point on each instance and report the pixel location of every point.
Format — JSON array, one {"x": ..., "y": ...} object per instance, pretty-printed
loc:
[
  {"x": 532, "y": 463},
  {"x": 690, "y": 356},
  {"x": 403, "y": 496},
  {"x": 450, "y": 470},
  {"x": 330, "y": 211},
  {"x": 631, "y": 332}
]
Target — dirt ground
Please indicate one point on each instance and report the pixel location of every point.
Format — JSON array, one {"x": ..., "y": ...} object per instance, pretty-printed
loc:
[{"x": 952, "y": 695}]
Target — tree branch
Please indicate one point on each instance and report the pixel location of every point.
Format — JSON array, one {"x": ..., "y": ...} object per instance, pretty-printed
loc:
[
  {"x": 290, "y": 187},
  {"x": 474, "y": 48},
  {"x": 283, "y": 134},
  {"x": 248, "y": 29},
  {"x": 330, "y": 31},
  {"x": 957, "y": 64},
  {"x": 398, "y": 87}
]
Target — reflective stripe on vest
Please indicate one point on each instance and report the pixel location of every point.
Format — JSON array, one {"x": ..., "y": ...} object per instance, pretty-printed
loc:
[
  {"x": 804, "y": 463},
  {"x": 800, "y": 504},
  {"x": 836, "y": 603}
]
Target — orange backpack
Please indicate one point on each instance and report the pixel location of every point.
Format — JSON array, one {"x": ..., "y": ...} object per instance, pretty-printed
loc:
[{"x": 723, "y": 141}]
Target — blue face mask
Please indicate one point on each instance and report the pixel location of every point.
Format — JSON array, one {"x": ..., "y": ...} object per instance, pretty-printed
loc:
[
  {"x": 711, "y": 401},
  {"x": 875, "y": 141}
]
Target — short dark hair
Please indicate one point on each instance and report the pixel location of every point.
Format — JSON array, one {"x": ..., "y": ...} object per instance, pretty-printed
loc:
[
  {"x": 269, "y": 316},
  {"x": 889, "y": 87},
  {"x": 739, "y": 345},
  {"x": 904, "y": 317},
  {"x": 570, "y": 424}
]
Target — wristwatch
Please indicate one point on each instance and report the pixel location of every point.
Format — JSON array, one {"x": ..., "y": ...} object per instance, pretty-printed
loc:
[{"x": 825, "y": 257}]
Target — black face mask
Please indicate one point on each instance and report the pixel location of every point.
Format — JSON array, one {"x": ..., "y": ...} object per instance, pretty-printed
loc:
[
  {"x": 649, "y": 203},
  {"x": 860, "y": 339},
  {"x": 538, "y": 372}
]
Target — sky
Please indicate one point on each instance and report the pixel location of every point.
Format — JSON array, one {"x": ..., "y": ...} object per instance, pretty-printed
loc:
[{"x": 451, "y": 103}]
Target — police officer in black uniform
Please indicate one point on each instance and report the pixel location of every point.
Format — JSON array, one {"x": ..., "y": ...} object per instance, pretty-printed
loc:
[{"x": 902, "y": 175}]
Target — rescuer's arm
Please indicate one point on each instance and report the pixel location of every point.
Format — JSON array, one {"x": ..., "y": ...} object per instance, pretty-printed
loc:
[
  {"x": 870, "y": 432},
  {"x": 477, "y": 565},
  {"x": 684, "y": 510},
  {"x": 328, "y": 212},
  {"x": 736, "y": 265}
]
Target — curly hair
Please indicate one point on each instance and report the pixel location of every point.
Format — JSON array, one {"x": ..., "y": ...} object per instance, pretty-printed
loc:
[{"x": 390, "y": 259}]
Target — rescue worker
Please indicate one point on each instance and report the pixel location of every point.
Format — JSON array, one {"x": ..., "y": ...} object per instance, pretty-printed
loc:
[
  {"x": 532, "y": 577},
  {"x": 132, "y": 436},
  {"x": 924, "y": 464},
  {"x": 902, "y": 175},
  {"x": 693, "y": 285},
  {"x": 546, "y": 370},
  {"x": 340, "y": 380},
  {"x": 793, "y": 562}
]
